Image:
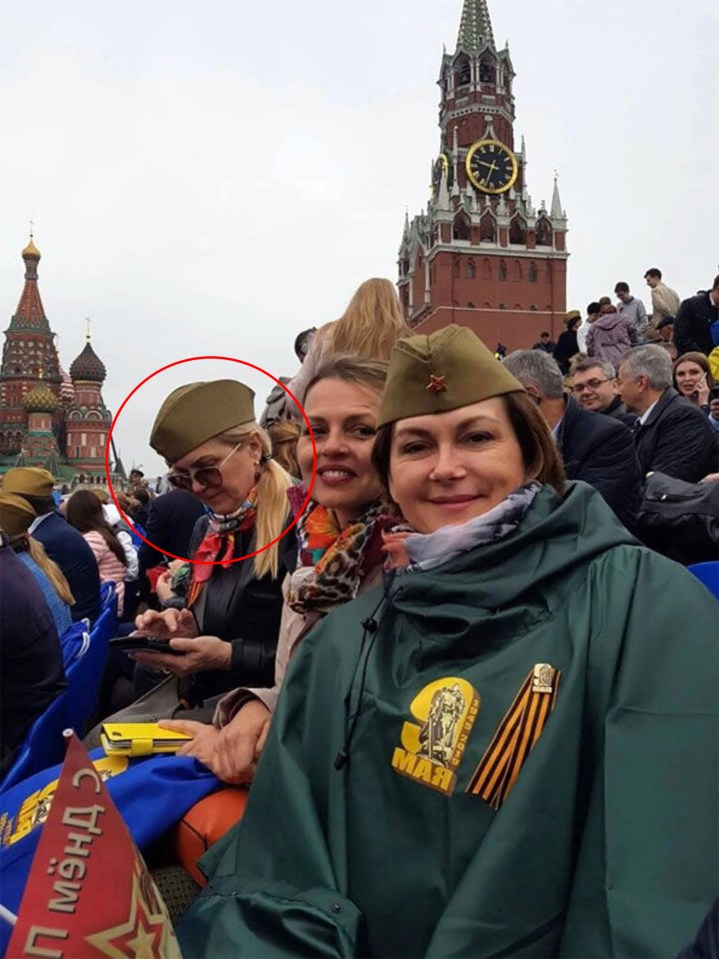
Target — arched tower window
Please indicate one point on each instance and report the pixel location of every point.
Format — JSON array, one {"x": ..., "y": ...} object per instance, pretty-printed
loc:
[
  {"x": 502, "y": 271},
  {"x": 471, "y": 270},
  {"x": 518, "y": 231},
  {"x": 532, "y": 275},
  {"x": 544, "y": 233},
  {"x": 462, "y": 71},
  {"x": 487, "y": 70},
  {"x": 461, "y": 227},
  {"x": 488, "y": 228}
]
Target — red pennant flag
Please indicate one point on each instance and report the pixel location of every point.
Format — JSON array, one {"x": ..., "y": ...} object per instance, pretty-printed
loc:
[{"x": 89, "y": 893}]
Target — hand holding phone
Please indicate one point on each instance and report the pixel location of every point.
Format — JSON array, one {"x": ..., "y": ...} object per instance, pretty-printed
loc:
[{"x": 142, "y": 642}]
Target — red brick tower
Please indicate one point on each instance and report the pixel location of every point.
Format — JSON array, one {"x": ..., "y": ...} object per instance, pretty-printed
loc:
[
  {"x": 29, "y": 355},
  {"x": 481, "y": 255},
  {"x": 87, "y": 418}
]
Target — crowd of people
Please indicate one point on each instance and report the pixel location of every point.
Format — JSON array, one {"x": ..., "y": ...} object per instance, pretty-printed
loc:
[{"x": 466, "y": 677}]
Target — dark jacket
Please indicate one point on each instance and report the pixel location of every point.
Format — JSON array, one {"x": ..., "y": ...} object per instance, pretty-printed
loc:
[
  {"x": 600, "y": 450},
  {"x": 692, "y": 324},
  {"x": 31, "y": 670},
  {"x": 677, "y": 439},
  {"x": 618, "y": 411},
  {"x": 566, "y": 348},
  {"x": 170, "y": 522},
  {"x": 405, "y": 850},
  {"x": 243, "y": 610},
  {"x": 73, "y": 555}
]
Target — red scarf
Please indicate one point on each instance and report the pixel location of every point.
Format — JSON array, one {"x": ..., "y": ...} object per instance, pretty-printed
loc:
[{"x": 218, "y": 544}]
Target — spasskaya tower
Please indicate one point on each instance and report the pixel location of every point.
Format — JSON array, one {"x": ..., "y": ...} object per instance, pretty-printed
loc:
[{"x": 481, "y": 254}]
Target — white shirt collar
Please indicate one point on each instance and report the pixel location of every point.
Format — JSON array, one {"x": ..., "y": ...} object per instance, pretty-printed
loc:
[
  {"x": 645, "y": 415},
  {"x": 36, "y": 522}
]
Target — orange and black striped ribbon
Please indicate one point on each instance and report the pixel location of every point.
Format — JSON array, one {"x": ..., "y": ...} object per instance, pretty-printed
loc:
[{"x": 515, "y": 738}]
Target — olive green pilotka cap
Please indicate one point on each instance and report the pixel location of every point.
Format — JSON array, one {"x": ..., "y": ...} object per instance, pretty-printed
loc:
[
  {"x": 195, "y": 413},
  {"x": 28, "y": 481},
  {"x": 16, "y": 514},
  {"x": 440, "y": 372}
]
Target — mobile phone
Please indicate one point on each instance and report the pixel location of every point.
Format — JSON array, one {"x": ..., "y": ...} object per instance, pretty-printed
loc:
[
  {"x": 139, "y": 739},
  {"x": 143, "y": 643},
  {"x": 714, "y": 393}
]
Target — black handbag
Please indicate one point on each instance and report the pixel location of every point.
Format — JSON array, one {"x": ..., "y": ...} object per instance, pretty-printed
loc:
[{"x": 680, "y": 520}]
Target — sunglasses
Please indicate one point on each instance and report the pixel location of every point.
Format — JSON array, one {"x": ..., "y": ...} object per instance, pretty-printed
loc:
[{"x": 209, "y": 477}]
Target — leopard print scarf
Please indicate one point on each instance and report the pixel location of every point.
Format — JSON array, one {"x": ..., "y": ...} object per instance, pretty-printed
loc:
[{"x": 333, "y": 561}]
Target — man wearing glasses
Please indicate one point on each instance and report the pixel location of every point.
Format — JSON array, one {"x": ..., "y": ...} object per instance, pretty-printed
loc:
[
  {"x": 599, "y": 450},
  {"x": 595, "y": 388}
]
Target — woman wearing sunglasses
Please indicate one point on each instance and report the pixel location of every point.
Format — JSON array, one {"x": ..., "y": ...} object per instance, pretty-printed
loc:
[{"x": 227, "y": 633}]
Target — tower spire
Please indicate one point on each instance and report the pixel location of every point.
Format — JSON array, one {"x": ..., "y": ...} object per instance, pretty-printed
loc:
[
  {"x": 475, "y": 27},
  {"x": 556, "y": 211}
]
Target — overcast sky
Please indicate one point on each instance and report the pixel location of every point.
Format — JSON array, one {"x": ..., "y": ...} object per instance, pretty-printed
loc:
[{"x": 212, "y": 176}]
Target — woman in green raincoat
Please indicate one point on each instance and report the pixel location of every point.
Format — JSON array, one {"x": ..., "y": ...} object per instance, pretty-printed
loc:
[{"x": 507, "y": 749}]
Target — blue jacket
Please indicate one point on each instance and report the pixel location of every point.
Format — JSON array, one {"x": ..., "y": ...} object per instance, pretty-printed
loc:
[
  {"x": 170, "y": 522},
  {"x": 68, "y": 548},
  {"x": 31, "y": 670}
]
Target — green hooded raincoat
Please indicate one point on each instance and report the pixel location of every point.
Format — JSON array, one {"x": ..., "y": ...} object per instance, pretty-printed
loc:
[{"x": 531, "y": 765}]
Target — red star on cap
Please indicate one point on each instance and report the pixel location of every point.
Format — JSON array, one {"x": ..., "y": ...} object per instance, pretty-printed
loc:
[{"x": 436, "y": 384}]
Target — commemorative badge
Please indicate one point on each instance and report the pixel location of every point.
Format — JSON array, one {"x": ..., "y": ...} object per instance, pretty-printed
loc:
[
  {"x": 516, "y": 736},
  {"x": 432, "y": 747}
]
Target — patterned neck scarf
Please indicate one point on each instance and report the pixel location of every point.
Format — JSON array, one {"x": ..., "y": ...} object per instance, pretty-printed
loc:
[
  {"x": 219, "y": 543},
  {"x": 409, "y": 552},
  {"x": 333, "y": 561}
]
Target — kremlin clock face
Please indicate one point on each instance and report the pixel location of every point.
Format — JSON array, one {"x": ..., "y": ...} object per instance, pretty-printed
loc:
[{"x": 491, "y": 166}]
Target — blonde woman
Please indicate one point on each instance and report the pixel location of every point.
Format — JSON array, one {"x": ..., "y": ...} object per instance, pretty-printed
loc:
[
  {"x": 284, "y": 436},
  {"x": 16, "y": 517},
  {"x": 227, "y": 634},
  {"x": 369, "y": 328}
]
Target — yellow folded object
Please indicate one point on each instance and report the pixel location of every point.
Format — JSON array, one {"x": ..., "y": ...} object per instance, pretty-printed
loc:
[{"x": 139, "y": 739}]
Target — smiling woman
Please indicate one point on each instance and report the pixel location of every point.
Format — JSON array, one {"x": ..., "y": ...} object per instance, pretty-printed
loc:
[
  {"x": 479, "y": 757},
  {"x": 340, "y": 556}
]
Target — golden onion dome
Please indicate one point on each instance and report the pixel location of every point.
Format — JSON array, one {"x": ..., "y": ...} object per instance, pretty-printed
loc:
[
  {"x": 41, "y": 399},
  {"x": 31, "y": 251}
]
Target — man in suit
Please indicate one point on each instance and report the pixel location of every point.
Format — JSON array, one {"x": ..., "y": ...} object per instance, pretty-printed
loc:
[
  {"x": 170, "y": 522},
  {"x": 596, "y": 449},
  {"x": 672, "y": 435},
  {"x": 62, "y": 542},
  {"x": 692, "y": 327}
]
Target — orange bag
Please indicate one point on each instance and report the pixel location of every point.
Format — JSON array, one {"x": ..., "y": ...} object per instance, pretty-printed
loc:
[{"x": 205, "y": 823}]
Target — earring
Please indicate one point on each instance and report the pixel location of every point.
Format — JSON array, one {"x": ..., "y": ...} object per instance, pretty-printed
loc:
[{"x": 258, "y": 471}]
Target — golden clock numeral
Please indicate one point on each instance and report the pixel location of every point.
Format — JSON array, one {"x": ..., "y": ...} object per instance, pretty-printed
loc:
[{"x": 491, "y": 148}]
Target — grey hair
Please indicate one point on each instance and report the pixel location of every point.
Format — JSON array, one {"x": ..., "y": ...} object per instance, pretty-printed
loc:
[
  {"x": 594, "y": 363},
  {"x": 650, "y": 361},
  {"x": 538, "y": 369}
]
